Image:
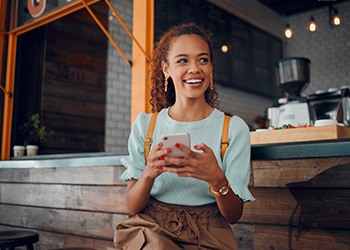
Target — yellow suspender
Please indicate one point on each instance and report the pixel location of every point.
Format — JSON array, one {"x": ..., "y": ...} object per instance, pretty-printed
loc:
[
  {"x": 224, "y": 137},
  {"x": 148, "y": 140}
]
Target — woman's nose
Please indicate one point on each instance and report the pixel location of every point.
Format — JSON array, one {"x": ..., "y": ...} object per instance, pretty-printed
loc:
[{"x": 193, "y": 68}]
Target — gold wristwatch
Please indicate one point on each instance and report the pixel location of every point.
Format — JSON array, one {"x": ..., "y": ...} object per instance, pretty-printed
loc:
[{"x": 222, "y": 191}]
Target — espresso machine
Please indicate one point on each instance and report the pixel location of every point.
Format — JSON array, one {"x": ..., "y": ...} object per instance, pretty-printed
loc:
[
  {"x": 333, "y": 104},
  {"x": 293, "y": 77}
]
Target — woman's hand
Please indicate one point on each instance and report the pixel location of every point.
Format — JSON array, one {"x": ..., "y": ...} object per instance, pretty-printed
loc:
[
  {"x": 200, "y": 165},
  {"x": 138, "y": 194},
  {"x": 204, "y": 166},
  {"x": 155, "y": 161}
]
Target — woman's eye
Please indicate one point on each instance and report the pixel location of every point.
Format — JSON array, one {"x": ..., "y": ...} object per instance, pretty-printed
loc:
[
  {"x": 183, "y": 60},
  {"x": 204, "y": 60}
]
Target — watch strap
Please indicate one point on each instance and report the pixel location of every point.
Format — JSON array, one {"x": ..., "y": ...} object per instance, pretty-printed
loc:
[{"x": 218, "y": 193}]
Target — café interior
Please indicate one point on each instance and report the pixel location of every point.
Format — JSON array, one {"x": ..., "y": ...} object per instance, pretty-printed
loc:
[{"x": 78, "y": 69}]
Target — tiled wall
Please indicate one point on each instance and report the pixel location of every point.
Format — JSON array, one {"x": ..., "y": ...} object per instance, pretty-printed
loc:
[
  {"x": 118, "y": 106},
  {"x": 328, "y": 49},
  {"x": 246, "y": 105}
]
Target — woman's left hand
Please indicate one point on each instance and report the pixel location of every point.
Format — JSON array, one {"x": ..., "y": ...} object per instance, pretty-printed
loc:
[{"x": 199, "y": 165}]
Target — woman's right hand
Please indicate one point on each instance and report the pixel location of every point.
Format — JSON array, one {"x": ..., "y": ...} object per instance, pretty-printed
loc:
[
  {"x": 155, "y": 161},
  {"x": 139, "y": 191}
]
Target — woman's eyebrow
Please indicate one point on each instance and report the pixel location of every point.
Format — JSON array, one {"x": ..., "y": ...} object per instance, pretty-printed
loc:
[{"x": 185, "y": 55}]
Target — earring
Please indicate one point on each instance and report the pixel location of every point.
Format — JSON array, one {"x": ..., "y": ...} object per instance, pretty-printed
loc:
[
  {"x": 211, "y": 85},
  {"x": 166, "y": 85}
]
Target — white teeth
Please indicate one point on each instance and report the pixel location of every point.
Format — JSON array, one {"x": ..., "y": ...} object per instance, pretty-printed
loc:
[{"x": 193, "y": 81}]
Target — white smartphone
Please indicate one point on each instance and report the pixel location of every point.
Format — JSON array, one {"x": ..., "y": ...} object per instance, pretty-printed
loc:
[{"x": 169, "y": 141}]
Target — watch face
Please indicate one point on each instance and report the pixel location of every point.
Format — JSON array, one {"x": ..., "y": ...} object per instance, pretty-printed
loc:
[{"x": 224, "y": 190}]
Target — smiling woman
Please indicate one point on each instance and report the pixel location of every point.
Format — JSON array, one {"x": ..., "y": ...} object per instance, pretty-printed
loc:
[{"x": 170, "y": 194}]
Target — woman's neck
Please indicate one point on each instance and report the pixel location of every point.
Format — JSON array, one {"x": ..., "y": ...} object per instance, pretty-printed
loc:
[{"x": 188, "y": 114}]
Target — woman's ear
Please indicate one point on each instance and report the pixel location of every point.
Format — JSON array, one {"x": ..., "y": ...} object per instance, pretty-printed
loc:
[{"x": 165, "y": 69}]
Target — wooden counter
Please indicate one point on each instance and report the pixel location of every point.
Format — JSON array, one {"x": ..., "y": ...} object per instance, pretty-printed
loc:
[
  {"x": 302, "y": 198},
  {"x": 300, "y": 204}
]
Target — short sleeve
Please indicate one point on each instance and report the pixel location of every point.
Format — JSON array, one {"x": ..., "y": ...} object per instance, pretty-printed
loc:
[
  {"x": 236, "y": 162},
  {"x": 135, "y": 161}
]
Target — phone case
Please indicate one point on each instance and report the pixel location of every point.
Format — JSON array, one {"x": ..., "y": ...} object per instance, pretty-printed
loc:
[{"x": 169, "y": 141}]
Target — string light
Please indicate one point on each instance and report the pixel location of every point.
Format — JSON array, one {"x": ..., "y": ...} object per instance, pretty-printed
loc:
[
  {"x": 288, "y": 32},
  {"x": 312, "y": 26},
  {"x": 224, "y": 48},
  {"x": 335, "y": 19}
]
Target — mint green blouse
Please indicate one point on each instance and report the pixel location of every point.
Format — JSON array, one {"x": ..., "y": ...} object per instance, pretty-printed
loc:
[{"x": 172, "y": 189}]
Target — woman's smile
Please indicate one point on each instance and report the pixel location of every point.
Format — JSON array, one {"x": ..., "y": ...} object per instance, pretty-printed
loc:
[{"x": 194, "y": 81}]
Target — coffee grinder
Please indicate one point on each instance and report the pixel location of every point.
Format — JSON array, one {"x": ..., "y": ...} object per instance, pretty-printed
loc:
[{"x": 293, "y": 77}]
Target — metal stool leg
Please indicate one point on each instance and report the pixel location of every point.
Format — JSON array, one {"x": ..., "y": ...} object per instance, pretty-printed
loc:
[{"x": 30, "y": 247}]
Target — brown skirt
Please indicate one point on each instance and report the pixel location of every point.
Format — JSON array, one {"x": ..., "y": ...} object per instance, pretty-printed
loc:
[{"x": 163, "y": 227}]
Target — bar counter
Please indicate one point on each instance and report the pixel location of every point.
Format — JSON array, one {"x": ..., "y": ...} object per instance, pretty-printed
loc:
[
  {"x": 302, "y": 193},
  {"x": 302, "y": 150}
]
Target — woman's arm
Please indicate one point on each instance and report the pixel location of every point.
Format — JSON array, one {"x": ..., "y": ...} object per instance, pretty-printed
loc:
[
  {"x": 204, "y": 166},
  {"x": 138, "y": 193},
  {"x": 230, "y": 205}
]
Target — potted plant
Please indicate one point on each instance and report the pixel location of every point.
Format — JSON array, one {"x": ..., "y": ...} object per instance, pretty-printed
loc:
[{"x": 33, "y": 132}]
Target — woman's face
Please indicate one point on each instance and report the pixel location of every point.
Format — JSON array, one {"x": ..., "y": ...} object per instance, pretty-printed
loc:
[{"x": 189, "y": 66}]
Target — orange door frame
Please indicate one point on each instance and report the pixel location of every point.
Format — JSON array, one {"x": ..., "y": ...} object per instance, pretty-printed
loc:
[
  {"x": 143, "y": 27},
  {"x": 143, "y": 30}
]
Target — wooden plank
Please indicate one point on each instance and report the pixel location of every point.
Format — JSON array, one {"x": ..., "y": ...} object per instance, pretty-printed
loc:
[
  {"x": 73, "y": 74},
  {"x": 245, "y": 235},
  {"x": 110, "y": 198},
  {"x": 101, "y": 175},
  {"x": 300, "y": 206},
  {"x": 76, "y": 222},
  {"x": 281, "y": 172},
  {"x": 74, "y": 107},
  {"x": 74, "y": 124},
  {"x": 300, "y": 134},
  {"x": 268, "y": 237},
  {"x": 70, "y": 141}
]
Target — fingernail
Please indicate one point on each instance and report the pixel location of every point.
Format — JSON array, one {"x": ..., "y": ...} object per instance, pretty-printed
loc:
[
  {"x": 195, "y": 146},
  {"x": 177, "y": 145},
  {"x": 181, "y": 157},
  {"x": 169, "y": 150},
  {"x": 162, "y": 157},
  {"x": 161, "y": 167},
  {"x": 159, "y": 144}
]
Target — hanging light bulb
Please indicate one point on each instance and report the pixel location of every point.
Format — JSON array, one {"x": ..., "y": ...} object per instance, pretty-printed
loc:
[
  {"x": 224, "y": 48},
  {"x": 312, "y": 26},
  {"x": 336, "y": 19},
  {"x": 288, "y": 32}
]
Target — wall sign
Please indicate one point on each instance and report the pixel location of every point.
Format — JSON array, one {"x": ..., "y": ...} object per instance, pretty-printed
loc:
[
  {"x": 36, "y": 7},
  {"x": 28, "y": 10}
]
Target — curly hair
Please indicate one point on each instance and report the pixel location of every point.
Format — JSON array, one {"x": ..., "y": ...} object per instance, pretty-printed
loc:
[{"x": 159, "y": 98}]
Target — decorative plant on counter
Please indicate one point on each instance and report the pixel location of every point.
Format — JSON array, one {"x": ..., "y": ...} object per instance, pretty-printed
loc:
[{"x": 33, "y": 130}]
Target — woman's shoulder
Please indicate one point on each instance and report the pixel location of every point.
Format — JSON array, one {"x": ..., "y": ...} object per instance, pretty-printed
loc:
[
  {"x": 144, "y": 118},
  {"x": 236, "y": 123}
]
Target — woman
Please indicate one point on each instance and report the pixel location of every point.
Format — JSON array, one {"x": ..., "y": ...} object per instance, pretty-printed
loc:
[{"x": 167, "y": 197}]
